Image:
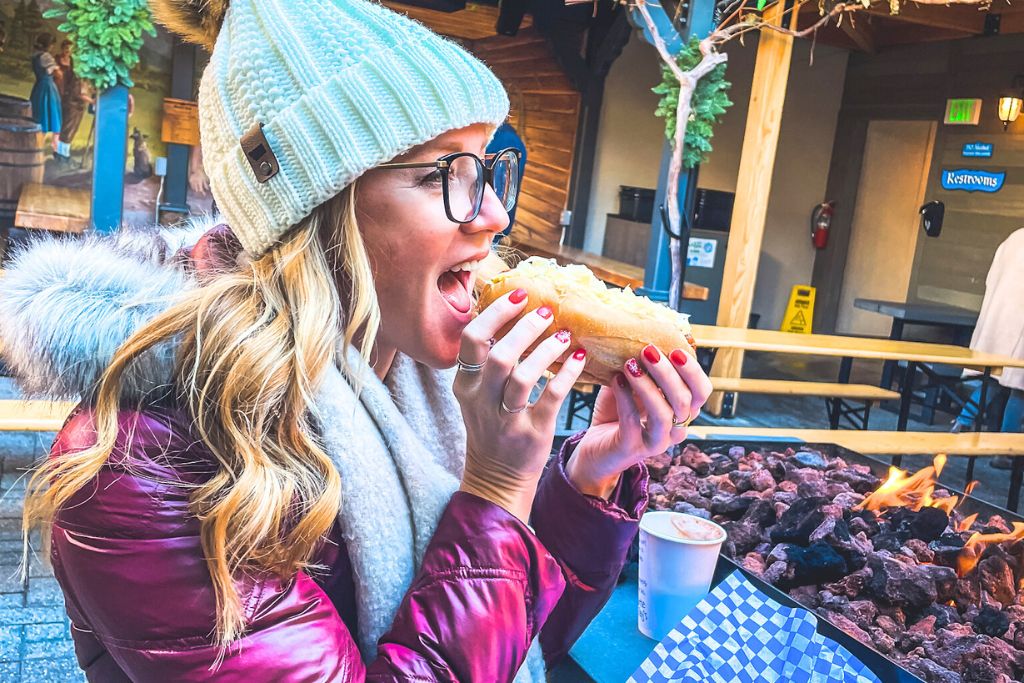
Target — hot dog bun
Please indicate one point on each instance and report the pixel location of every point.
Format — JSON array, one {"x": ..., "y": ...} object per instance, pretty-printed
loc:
[{"x": 613, "y": 325}]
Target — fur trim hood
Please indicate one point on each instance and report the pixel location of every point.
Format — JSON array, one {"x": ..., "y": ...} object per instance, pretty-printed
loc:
[{"x": 67, "y": 305}]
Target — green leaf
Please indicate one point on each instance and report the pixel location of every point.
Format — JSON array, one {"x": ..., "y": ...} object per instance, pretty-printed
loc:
[{"x": 761, "y": 4}]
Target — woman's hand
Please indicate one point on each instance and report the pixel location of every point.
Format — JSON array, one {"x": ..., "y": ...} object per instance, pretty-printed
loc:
[
  {"x": 645, "y": 412},
  {"x": 508, "y": 441}
]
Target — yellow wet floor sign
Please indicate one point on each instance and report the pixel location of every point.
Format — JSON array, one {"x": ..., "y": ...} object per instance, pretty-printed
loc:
[{"x": 800, "y": 311}]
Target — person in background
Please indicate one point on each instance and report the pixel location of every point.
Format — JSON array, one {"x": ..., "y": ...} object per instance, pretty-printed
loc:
[
  {"x": 75, "y": 97},
  {"x": 1000, "y": 330},
  {"x": 45, "y": 96},
  {"x": 505, "y": 137}
]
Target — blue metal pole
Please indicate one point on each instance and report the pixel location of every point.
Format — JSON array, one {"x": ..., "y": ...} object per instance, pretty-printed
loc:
[
  {"x": 109, "y": 156},
  {"x": 700, "y": 21}
]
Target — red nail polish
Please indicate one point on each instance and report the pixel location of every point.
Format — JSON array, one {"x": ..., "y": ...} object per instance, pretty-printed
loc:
[
  {"x": 517, "y": 296},
  {"x": 544, "y": 312},
  {"x": 679, "y": 357},
  {"x": 651, "y": 354},
  {"x": 563, "y": 336},
  {"x": 620, "y": 379},
  {"x": 580, "y": 353},
  {"x": 634, "y": 368}
]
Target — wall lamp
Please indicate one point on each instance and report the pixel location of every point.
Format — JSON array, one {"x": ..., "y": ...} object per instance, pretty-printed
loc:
[{"x": 1010, "y": 105}]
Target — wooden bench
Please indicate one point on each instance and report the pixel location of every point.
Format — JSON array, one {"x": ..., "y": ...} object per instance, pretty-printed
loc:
[
  {"x": 34, "y": 416},
  {"x": 836, "y": 395}
]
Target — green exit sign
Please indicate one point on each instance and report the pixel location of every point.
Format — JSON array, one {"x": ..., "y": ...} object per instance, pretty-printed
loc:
[{"x": 962, "y": 112}]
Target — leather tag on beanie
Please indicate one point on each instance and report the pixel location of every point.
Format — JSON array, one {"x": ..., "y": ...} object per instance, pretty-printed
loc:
[{"x": 261, "y": 157}]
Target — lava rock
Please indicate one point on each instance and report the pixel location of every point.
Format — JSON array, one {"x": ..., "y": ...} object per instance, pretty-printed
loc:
[
  {"x": 927, "y": 524},
  {"x": 722, "y": 464},
  {"x": 815, "y": 564},
  {"x": 899, "y": 583},
  {"x": 991, "y": 621},
  {"x": 799, "y": 521},
  {"x": 657, "y": 465},
  {"x": 695, "y": 459},
  {"x": 929, "y": 671},
  {"x": 760, "y": 512},
  {"x": 730, "y": 506},
  {"x": 859, "y": 481},
  {"x": 690, "y": 509},
  {"x": 947, "y": 548},
  {"x": 862, "y": 612},
  {"x": 997, "y": 580},
  {"x": 944, "y": 614},
  {"x": 920, "y": 549},
  {"x": 850, "y": 585},
  {"x": 741, "y": 537},
  {"x": 812, "y": 459},
  {"x": 848, "y": 626}
]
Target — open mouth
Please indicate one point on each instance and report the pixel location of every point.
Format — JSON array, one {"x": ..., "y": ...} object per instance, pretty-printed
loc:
[{"x": 455, "y": 288}]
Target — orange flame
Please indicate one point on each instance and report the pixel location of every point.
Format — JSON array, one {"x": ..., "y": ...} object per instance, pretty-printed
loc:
[
  {"x": 977, "y": 543},
  {"x": 913, "y": 491},
  {"x": 965, "y": 523}
]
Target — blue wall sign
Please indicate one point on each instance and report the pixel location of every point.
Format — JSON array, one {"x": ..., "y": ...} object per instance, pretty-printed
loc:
[
  {"x": 978, "y": 149},
  {"x": 972, "y": 181}
]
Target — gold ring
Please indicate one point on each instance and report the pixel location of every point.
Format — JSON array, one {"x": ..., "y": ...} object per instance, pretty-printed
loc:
[{"x": 682, "y": 423}]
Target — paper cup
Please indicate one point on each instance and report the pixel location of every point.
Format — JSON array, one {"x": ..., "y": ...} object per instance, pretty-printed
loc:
[{"x": 675, "y": 572}]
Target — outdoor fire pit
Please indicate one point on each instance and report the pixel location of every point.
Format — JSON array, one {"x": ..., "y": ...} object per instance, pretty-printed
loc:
[{"x": 930, "y": 578}]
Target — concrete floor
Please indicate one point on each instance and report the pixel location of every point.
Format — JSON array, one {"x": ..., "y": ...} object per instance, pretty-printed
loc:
[{"x": 34, "y": 631}]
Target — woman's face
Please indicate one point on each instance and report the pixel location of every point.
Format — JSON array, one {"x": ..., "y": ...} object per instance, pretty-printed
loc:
[{"x": 413, "y": 248}]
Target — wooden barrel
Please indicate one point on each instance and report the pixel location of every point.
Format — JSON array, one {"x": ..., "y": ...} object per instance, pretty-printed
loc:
[
  {"x": 22, "y": 160},
  {"x": 15, "y": 106}
]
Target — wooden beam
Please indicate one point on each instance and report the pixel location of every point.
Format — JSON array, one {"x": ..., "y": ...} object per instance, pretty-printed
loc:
[
  {"x": 860, "y": 32},
  {"x": 965, "y": 18},
  {"x": 753, "y": 187}
]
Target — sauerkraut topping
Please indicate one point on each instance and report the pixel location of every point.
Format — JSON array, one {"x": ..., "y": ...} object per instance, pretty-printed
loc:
[{"x": 579, "y": 279}]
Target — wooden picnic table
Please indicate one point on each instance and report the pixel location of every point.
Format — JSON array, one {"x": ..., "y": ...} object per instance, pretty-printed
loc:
[
  {"x": 960, "y": 321},
  {"x": 613, "y": 272},
  {"x": 850, "y": 348}
]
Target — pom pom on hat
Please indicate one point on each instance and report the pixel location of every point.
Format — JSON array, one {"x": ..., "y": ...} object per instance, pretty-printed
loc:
[{"x": 197, "y": 21}]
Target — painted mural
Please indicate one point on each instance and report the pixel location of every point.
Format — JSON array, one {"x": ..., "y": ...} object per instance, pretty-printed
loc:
[{"x": 37, "y": 80}]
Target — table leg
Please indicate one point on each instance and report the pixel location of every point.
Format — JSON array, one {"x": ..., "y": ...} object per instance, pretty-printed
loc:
[
  {"x": 906, "y": 396},
  {"x": 1016, "y": 475},
  {"x": 979, "y": 423},
  {"x": 889, "y": 367}
]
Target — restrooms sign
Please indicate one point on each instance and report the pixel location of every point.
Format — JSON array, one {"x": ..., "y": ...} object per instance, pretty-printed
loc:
[{"x": 972, "y": 181}]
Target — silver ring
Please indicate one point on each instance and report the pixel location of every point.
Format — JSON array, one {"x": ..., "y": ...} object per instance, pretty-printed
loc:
[
  {"x": 468, "y": 368},
  {"x": 510, "y": 411}
]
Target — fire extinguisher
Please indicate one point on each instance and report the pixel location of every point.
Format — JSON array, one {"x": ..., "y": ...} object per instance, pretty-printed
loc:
[{"x": 821, "y": 222}]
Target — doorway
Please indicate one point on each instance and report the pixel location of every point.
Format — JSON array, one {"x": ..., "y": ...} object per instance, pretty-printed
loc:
[{"x": 893, "y": 181}]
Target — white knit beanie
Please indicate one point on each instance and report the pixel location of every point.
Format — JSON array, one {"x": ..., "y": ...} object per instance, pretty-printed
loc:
[{"x": 301, "y": 97}]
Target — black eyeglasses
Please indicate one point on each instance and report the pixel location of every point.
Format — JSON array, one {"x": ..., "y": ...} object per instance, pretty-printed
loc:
[{"x": 464, "y": 177}]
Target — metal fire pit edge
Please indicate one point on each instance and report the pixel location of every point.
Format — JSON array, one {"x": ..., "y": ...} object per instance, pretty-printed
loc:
[{"x": 887, "y": 670}]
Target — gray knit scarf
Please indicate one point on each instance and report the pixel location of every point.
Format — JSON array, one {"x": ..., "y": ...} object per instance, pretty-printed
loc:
[{"x": 400, "y": 448}]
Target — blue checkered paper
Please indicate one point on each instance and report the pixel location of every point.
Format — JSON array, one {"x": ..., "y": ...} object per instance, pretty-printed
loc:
[{"x": 737, "y": 634}]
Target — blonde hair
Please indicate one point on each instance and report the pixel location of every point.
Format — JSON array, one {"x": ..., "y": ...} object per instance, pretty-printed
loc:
[{"x": 251, "y": 345}]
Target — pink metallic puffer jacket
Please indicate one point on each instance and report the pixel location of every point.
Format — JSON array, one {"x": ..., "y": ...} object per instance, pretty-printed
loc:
[{"x": 126, "y": 552}]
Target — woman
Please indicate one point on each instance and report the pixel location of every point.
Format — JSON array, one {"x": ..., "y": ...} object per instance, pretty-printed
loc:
[
  {"x": 276, "y": 477},
  {"x": 45, "y": 97}
]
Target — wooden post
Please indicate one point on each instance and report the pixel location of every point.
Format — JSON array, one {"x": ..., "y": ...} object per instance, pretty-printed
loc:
[
  {"x": 753, "y": 187},
  {"x": 109, "y": 159}
]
